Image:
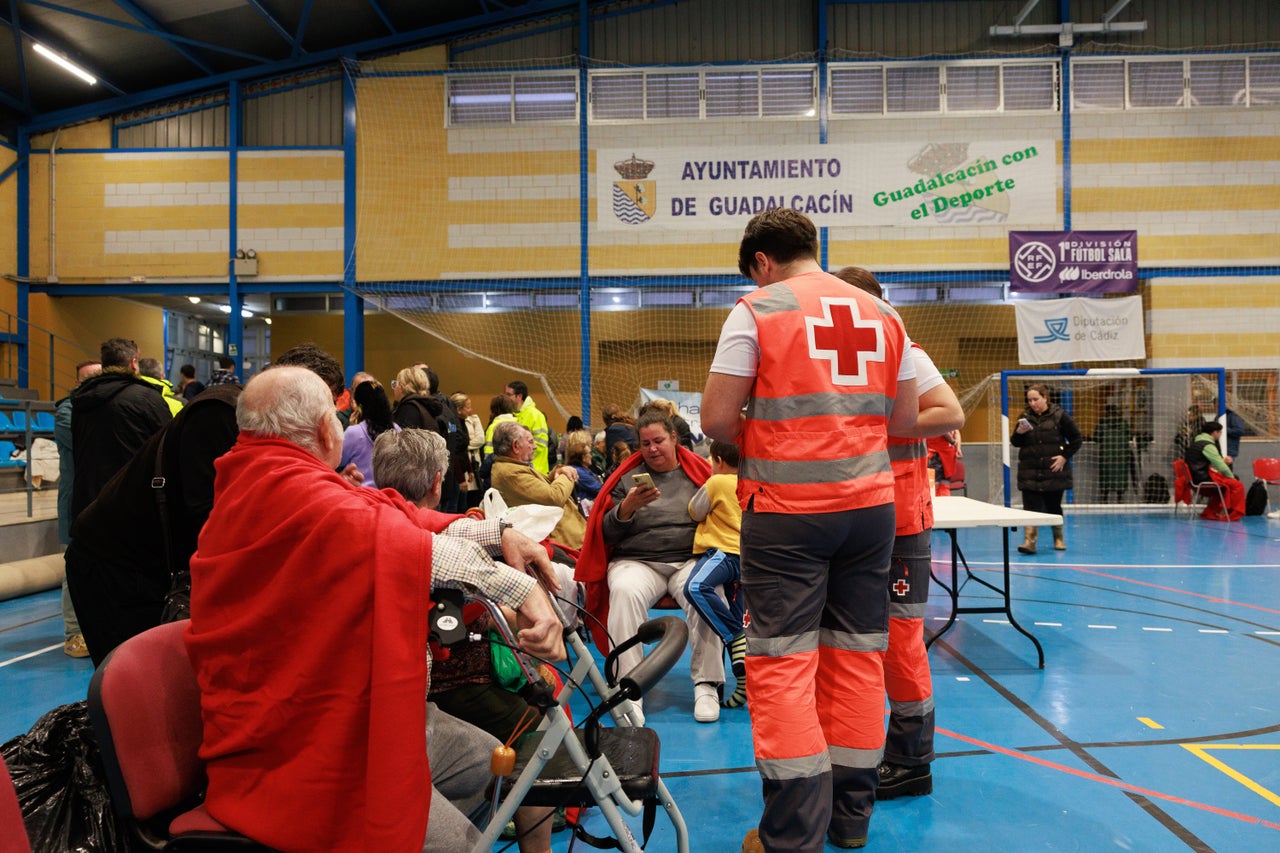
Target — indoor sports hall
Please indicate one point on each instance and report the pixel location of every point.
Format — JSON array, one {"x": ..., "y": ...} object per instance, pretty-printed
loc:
[
  {"x": 1076, "y": 195},
  {"x": 1154, "y": 724}
]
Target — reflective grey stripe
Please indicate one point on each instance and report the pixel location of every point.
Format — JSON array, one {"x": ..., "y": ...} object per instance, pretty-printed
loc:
[
  {"x": 906, "y": 610},
  {"x": 876, "y": 642},
  {"x": 804, "y": 767},
  {"x": 912, "y": 709},
  {"x": 903, "y": 452},
  {"x": 774, "y": 300},
  {"x": 858, "y": 758},
  {"x": 784, "y": 473},
  {"x": 818, "y": 404},
  {"x": 777, "y": 647}
]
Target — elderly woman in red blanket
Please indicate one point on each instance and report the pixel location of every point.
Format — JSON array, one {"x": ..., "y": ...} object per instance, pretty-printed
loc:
[{"x": 639, "y": 547}]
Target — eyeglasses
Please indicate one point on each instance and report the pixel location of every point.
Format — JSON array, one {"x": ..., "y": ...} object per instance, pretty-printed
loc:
[{"x": 393, "y": 383}]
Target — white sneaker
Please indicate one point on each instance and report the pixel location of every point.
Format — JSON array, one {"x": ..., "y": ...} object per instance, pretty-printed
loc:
[
  {"x": 1275, "y": 513},
  {"x": 706, "y": 703}
]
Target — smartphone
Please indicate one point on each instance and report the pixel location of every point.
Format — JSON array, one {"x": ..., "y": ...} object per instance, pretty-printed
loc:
[
  {"x": 1023, "y": 422},
  {"x": 644, "y": 481}
]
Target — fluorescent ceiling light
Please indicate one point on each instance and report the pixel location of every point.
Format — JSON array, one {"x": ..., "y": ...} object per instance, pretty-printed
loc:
[
  {"x": 246, "y": 313},
  {"x": 66, "y": 64},
  {"x": 195, "y": 300},
  {"x": 225, "y": 309}
]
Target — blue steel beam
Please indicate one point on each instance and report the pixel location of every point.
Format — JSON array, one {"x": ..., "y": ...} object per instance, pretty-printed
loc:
[
  {"x": 382, "y": 15},
  {"x": 424, "y": 35},
  {"x": 266, "y": 15},
  {"x": 22, "y": 104},
  {"x": 138, "y": 28},
  {"x": 303, "y": 20},
  {"x": 35, "y": 34},
  {"x": 141, "y": 16}
]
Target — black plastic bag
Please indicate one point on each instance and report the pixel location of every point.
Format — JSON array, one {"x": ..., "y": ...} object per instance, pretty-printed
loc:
[{"x": 61, "y": 788}]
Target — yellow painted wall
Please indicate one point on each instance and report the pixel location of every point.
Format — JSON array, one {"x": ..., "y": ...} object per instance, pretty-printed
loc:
[
  {"x": 165, "y": 216},
  {"x": 392, "y": 344},
  {"x": 78, "y": 326}
]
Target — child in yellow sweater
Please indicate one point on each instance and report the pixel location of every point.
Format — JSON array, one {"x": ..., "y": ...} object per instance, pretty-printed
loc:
[{"x": 715, "y": 508}]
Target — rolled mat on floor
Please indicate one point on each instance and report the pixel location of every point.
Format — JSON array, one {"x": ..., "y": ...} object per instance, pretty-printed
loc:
[{"x": 23, "y": 577}]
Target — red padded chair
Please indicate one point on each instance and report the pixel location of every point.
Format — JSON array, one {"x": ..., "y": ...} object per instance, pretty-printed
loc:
[
  {"x": 1268, "y": 471},
  {"x": 144, "y": 705},
  {"x": 13, "y": 832},
  {"x": 956, "y": 481},
  {"x": 1193, "y": 494}
]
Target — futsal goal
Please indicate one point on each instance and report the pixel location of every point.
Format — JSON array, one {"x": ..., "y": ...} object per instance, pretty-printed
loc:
[{"x": 1135, "y": 422}]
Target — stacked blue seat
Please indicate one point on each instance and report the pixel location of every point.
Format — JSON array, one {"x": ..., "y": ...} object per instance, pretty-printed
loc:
[{"x": 7, "y": 460}]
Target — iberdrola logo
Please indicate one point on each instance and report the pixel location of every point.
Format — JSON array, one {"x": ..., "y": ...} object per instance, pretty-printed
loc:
[{"x": 634, "y": 198}]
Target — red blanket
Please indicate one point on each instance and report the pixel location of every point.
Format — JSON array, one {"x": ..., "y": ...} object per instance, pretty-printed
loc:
[
  {"x": 308, "y": 635},
  {"x": 593, "y": 564}
]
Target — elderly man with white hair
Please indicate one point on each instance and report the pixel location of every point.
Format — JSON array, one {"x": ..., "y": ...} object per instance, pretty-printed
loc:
[{"x": 311, "y": 655}]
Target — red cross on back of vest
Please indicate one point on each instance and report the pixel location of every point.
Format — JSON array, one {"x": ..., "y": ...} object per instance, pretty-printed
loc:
[{"x": 845, "y": 338}]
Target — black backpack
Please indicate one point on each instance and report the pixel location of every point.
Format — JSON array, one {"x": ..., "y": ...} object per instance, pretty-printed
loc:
[
  {"x": 1255, "y": 501},
  {"x": 1155, "y": 490}
]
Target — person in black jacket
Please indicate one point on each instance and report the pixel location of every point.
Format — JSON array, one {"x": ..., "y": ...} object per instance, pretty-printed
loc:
[
  {"x": 417, "y": 407},
  {"x": 123, "y": 550},
  {"x": 112, "y": 415},
  {"x": 1046, "y": 438},
  {"x": 133, "y": 544}
]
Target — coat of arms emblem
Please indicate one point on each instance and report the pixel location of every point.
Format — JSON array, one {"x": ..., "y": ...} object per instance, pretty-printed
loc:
[{"x": 634, "y": 198}]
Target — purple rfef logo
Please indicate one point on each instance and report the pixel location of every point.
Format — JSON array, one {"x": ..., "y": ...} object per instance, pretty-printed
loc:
[{"x": 1073, "y": 261}]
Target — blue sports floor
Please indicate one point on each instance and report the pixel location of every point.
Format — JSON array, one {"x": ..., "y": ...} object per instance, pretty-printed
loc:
[{"x": 1154, "y": 726}]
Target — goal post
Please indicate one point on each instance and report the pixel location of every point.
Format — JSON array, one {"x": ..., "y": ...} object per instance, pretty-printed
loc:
[{"x": 1135, "y": 422}]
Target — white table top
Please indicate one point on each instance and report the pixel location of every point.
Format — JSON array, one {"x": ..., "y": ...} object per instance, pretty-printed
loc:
[{"x": 953, "y": 511}]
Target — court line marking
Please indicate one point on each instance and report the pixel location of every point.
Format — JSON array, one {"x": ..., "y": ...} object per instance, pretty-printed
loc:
[
  {"x": 30, "y": 654},
  {"x": 1202, "y": 752},
  {"x": 1037, "y": 565},
  {"x": 1162, "y": 630},
  {"x": 1213, "y": 598},
  {"x": 1115, "y": 783},
  {"x": 1150, "y": 723}
]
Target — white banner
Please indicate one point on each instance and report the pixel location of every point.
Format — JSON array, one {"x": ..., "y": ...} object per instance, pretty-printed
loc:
[
  {"x": 978, "y": 182},
  {"x": 688, "y": 403},
  {"x": 1052, "y": 331}
]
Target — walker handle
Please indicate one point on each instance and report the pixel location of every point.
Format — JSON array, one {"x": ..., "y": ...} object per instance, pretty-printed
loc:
[{"x": 671, "y": 634}]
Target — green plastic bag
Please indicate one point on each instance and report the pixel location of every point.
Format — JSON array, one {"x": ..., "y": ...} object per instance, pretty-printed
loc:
[{"x": 506, "y": 669}]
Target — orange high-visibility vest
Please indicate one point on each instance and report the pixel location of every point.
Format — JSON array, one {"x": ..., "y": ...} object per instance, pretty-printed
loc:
[
  {"x": 913, "y": 505},
  {"x": 815, "y": 436},
  {"x": 912, "y": 502}
]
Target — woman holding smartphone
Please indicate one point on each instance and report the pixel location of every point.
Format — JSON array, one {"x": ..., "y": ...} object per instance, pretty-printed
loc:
[
  {"x": 1046, "y": 438},
  {"x": 639, "y": 547}
]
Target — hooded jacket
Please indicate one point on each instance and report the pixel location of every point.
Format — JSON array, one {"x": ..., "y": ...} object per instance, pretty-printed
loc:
[{"x": 112, "y": 415}]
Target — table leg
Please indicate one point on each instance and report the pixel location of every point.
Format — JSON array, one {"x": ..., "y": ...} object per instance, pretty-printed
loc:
[
  {"x": 953, "y": 591},
  {"x": 1008, "y": 603}
]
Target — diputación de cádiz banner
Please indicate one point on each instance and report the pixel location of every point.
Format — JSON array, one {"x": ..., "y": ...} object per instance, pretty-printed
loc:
[{"x": 1001, "y": 182}]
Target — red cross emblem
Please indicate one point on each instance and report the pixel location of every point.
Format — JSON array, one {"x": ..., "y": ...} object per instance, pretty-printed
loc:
[
  {"x": 901, "y": 587},
  {"x": 844, "y": 338}
]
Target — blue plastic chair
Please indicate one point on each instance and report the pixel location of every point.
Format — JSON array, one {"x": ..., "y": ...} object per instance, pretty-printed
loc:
[
  {"x": 6, "y": 425},
  {"x": 42, "y": 422},
  {"x": 6, "y": 448},
  {"x": 19, "y": 421}
]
